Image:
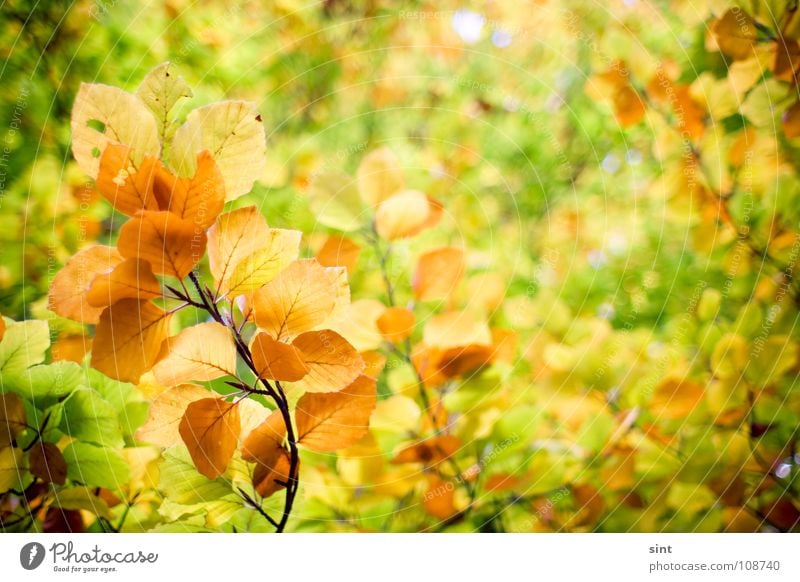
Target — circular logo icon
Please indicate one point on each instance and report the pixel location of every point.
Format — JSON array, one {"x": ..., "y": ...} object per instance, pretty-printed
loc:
[{"x": 31, "y": 555}]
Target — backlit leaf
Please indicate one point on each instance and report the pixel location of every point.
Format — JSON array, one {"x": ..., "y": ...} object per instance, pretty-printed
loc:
[
  {"x": 379, "y": 176},
  {"x": 166, "y": 412},
  {"x": 96, "y": 466},
  {"x": 335, "y": 202},
  {"x": 275, "y": 252},
  {"x": 67, "y": 295},
  {"x": 130, "y": 279},
  {"x": 160, "y": 91},
  {"x": 234, "y": 236},
  {"x": 331, "y": 361},
  {"x": 438, "y": 273},
  {"x": 210, "y": 429},
  {"x": 402, "y": 215},
  {"x": 128, "y": 188},
  {"x": 275, "y": 360},
  {"x": 396, "y": 323},
  {"x": 338, "y": 251},
  {"x": 198, "y": 199},
  {"x": 199, "y": 353}
]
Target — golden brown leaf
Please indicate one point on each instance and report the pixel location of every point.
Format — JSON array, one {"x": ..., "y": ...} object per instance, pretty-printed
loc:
[
  {"x": 46, "y": 462},
  {"x": 275, "y": 360},
  {"x": 67, "y": 295},
  {"x": 265, "y": 438},
  {"x": 787, "y": 59},
  {"x": 791, "y": 121},
  {"x": 210, "y": 429},
  {"x": 430, "y": 451},
  {"x": 128, "y": 339},
  {"x": 396, "y": 323},
  {"x": 71, "y": 347},
  {"x": 12, "y": 418},
  {"x": 464, "y": 360},
  {"x": 200, "y": 353},
  {"x": 327, "y": 422},
  {"x": 131, "y": 279},
  {"x": 165, "y": 414},
  {"x": 297, "y": 300},
  {"x": 675, "y": 398},
  {"x": 402, "y": 215},
  {"x": 234, "y": 236},
  {"x": 272, "y": 473},
  {"x": 438, "y": 273},
  {"x": 171, "y": 245},
  {"x": 736, "y": 34},
  {"x": 439, "y": 499},
  {"x": 332, "y": 362},
  {"x": 128, "y": 188},
  {"x": 198, "y": 199},
  {"x": 629, "y": 108}
]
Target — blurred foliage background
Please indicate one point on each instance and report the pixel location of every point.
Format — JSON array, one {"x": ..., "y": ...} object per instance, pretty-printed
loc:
[{"x": 648, "y": 275}]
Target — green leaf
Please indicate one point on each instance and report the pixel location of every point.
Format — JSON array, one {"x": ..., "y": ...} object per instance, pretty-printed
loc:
[
  {"x": 181, "y": 483},
  {"x": 11, "y": 471},
  {"x": 49, "y": 381},
  {"x": 98, "y": 466},
  {"x": 160, "y": 90},
  {"x": 89, "y": 417},
  {"x": 24, "y": 344},
  {"x": 82, "y": 498},
  {"x": 334, "y": 200}
]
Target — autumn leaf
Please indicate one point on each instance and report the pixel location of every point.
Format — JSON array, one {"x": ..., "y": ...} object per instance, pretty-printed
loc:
[
  {"x": 335, "y": 201},
  {"x": 210, "y": 429},
  {"x": 198, "y": 199},
  {"x": 46, "y": 461},
  {"x": 628, "y": 106},
  {"x": 396, "y": 323},
  {"x": 232, "y": 131},
  {"x": 67, "y": 296},
  {"x": 736, "y": 34},
  {"x": 172, "y": 245},
  {"x": 200, "y": 353},
  {"x": 297, "y": 300},
  {"x": 338, "y": 251},
  {"x": 128, "y": 339},
  {"x": 358, "y": 322},
  {"x": 2, "y": 327},
  {"x": 379, "y": 176},
  {"x": 787, "y": 59},
  {"x": 128, "y": 188},
  {"x": 790, "y": 121},
  {"x": 165, "y": 414},
  {"x": 279, "y": 248},
  {"x": 456, "y": 329},
  {"x": 272, "y": 473},
  {"x": 160, "y": 91},
  {"x": 234, "y": 236},
  {"x": 12, "y": 418},
  {"x": 675, "y": 398},
  {"x": 331, "y": 361},
  {"x": 102, "y": 114},
  {"x": 402, "y": 215},
  {"x": 438, "y": 273},
  {"x": 130, "y": 279},
  {"x": 265, "y": 447},
  {"x": 275, "y": 360},
  {"x": 430, "y": 451},
  {"x": 327, "y": 422},
  {"x": 439, "y": 499}
]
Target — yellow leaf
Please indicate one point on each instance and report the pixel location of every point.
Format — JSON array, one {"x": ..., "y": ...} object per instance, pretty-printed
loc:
[
  {"x": 12, "y": 418},
  {"x": 358, "y": 323},
  {"x": 396, "y": 323},
  {"x": 335, "y": 202},
  {"x": 67, "y": 295},
  {"x": 128, "y": 339},
  {"x": 234, "y": 134},
  {"x": 379, "y": 176},
  {"x": 455, "y": 329},
  {"x": 103, "y": 114},
  {"x": 166, "y": 412},
  {"x": 255, "y": 270},
  {"x": 397, "y": 414},
  {"x": 402, "y": 215},
  {"x": 327, "y": 422},
  {"x": 160, "y": 90},
  {"x": 234, "y": 236},
  {"x": 275, "y": 360},
  {"x": 201, "y": 353},
  {"x": 128, "y": 188},
  {"x": 296, "y": 301},
  {"x": 11, "y": 469},
  {"x": 198, "y": 199},
  {"x": 171, "y": 245},
  {"x": 438, "y": 273},
  {"x": 131, "y": 279},
  {"x": 675, "y": 398},
  {"x": 332, "y": 362},
  {"x": 210, "y": 429}
]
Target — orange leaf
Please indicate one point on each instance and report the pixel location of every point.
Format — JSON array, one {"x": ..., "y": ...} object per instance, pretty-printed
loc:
[
  {"x": 297, "y": 300},
  {"x": 402, "y": 215},
  {"x": 791, "y": 121},
  {"x": 2, "y": 327},
  {"x": 675, "y": 398},
  {"x": 374, "y": 362},
  {"x": 628, "y": 106},
  {"x": 736, "y": 34},
  {"x": 438, "y": 273},
  {"x": 202, "y": 352},
  {"x": 332, "y": 362},
  {"x": 234, "y": 236},
  {"x": 171, "y": 245},
  {"x": 275, "y": 360},
  {"x": 439, "y": 499},
  {"x": 199, "y": 199},
  {"x": 429, "y": 451},
  {"x": 166, "y": 412},
  {"x": 71, "y": 347},
  {"x": 464, "y": 360},
  {"x": 128, "y": 339},
  {"x": 787, "y": 59},
  {"x": 131, "y": 279},
  {"x": 327, "y": 422},
  {"x": 67, "y": 295},
  {"x": 46, "y": 462},
  {"x": 396, "y": 323},
  {"x": 264, "y": 446},
  {"x": 338, "y": 251},
  {"x": 210, "y": 428},
  {"x": 129, "y": 189}
]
